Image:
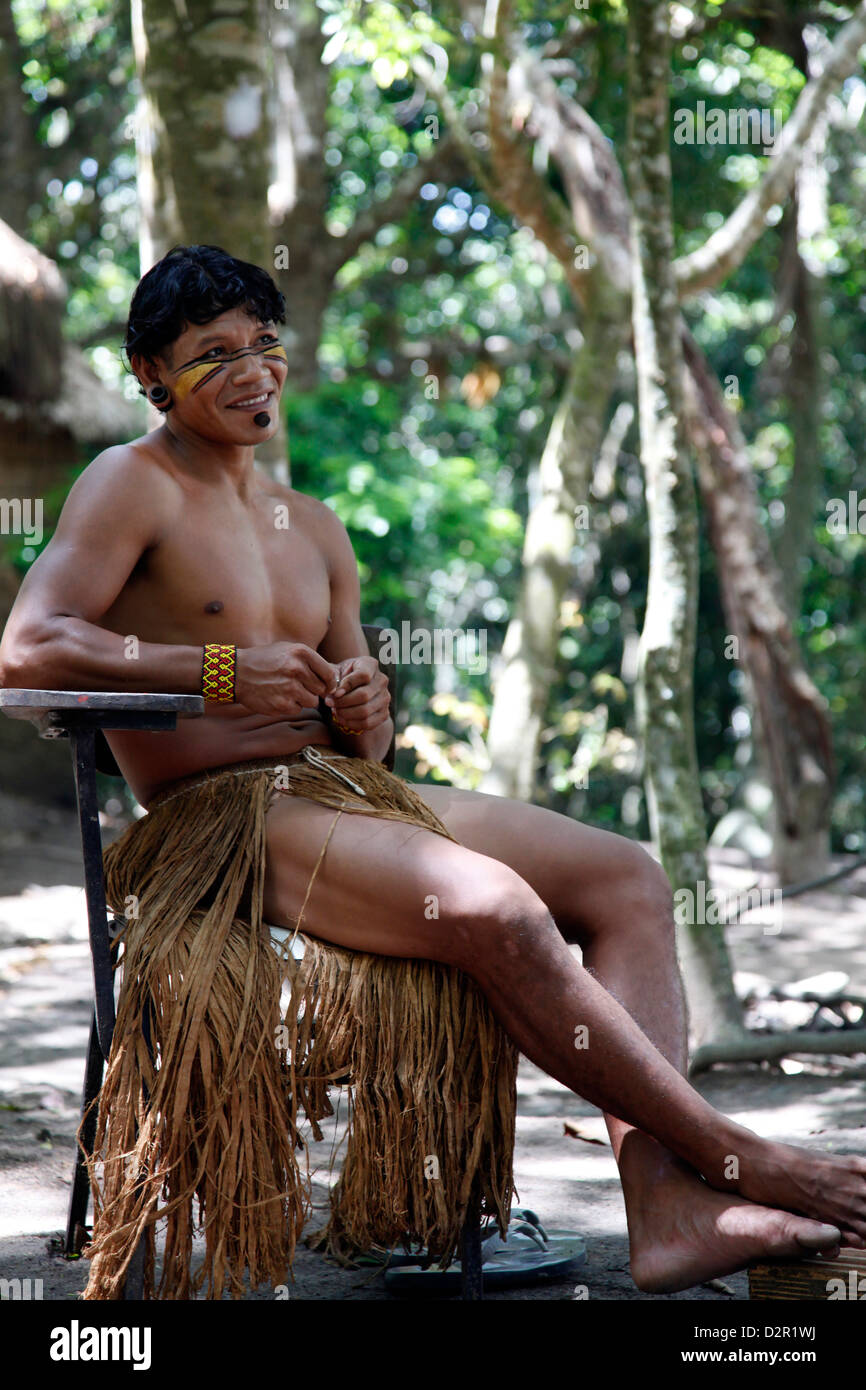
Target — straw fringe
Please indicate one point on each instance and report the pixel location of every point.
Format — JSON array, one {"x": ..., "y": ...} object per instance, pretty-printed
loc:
[{"x": 207, "y": 1110}]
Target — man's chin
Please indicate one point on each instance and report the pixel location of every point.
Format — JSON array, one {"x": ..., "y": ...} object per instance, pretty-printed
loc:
[{"x": 241, "y": 431}]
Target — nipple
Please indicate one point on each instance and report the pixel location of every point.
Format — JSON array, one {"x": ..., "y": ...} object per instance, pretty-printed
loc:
[{"x": 215, "y": 606}]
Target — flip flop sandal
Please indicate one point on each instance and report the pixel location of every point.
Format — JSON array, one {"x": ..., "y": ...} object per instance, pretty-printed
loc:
[
  {"x": 530, "y": 1255},
  {"x": 394, "y": 1259}
]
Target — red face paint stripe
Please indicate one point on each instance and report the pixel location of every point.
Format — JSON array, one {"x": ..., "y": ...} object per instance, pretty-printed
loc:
[{"x": 205, "y": 379}]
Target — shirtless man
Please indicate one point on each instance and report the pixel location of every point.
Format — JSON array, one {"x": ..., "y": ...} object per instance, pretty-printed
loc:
[{"x": 174, "y": 539}]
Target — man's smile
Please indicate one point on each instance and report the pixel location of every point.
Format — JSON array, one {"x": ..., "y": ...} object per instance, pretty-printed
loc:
[{"x": 248, "y": 402}]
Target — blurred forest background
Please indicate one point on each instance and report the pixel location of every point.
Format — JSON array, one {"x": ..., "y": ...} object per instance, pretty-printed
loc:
[{"x": 495, "y": 287}]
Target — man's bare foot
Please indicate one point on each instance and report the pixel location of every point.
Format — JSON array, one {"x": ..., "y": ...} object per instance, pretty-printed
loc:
[
  {"x": 827, "y": 1187},
  {"x": 682, "y": 1232}
]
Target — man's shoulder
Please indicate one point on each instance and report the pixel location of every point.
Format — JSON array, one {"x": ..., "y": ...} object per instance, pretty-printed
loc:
[
  {"x": 133, "y": 462},
  {"x": 316, "y": 515},
  {"x": 122, "y": 488}
]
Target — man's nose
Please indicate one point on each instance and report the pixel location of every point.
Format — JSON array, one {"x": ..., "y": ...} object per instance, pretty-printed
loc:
[{"x": 248, "y": 366}]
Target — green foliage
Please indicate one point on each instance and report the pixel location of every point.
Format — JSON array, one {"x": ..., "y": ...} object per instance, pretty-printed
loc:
[
  {"x": 430, "y": 476},
  {"x": 77, "y": 84}
]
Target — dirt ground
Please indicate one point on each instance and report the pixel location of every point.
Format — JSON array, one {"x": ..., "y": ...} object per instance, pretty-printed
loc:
[{"x": 45, "y": 1002}]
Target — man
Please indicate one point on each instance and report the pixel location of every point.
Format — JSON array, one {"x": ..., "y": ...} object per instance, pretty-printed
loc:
[{"x": 175, "y": 543}]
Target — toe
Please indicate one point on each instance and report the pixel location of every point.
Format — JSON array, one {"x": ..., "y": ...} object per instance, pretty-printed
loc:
[{"x": 816, "y": 1235}]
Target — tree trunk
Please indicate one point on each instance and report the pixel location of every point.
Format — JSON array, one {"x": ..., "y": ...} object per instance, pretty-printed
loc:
[
  {"x": 307, "y": 256},
  {"x": 794, "y": 731},
  {"x": 230, "y": 133},
  {"x": 799, "y": 759},
  {"x": 804, "y": 398},
  {"x": 792, "y": 370},
  {"x": 727, "y": 247},
  {"x": 592, "y": 180},
  {"x": 21, "y": 172},
  {"x": 529, "y": 658},
  {"x": 204, "y": 135},
  {"x": 667, "y": 646}
]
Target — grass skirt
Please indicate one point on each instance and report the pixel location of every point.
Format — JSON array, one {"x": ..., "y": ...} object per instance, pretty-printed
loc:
[{"x": 199, "y": 1116}]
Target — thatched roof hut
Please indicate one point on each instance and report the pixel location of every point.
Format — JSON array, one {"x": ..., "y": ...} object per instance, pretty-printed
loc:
[
  {"x": 55, "y": 414},
  {"x": 54, "y": 409},
  {"x": 32, "y": 299},
  {"x": 42, "y": 388}
]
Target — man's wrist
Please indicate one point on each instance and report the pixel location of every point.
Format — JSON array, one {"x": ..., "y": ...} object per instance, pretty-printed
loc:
[
  {"x": 374, "y": 743},
  {"x": 363, "y": 742},
  {"x": 219, "y": 672}
]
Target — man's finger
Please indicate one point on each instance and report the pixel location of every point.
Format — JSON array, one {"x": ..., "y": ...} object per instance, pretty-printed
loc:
[
  {"x": 308, "y": 699},
  {"x": 357, "y": 695},
  {"x": 350, "y": 713},
  {"x": 320, "y": 668},
  {"x": 352, "y": 681}
]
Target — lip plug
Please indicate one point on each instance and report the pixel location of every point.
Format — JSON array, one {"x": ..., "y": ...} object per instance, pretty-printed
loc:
[{"x": 263, "y": 419}]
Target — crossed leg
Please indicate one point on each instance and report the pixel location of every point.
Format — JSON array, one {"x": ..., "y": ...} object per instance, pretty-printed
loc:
[{"x": 521, "y": 881}]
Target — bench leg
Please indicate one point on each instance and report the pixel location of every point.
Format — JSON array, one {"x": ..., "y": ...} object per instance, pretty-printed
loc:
[
  {"x": 76, "y": 1233},
  {"x": 471, "y": 1276},
  {"x": 94, "y": 886}
]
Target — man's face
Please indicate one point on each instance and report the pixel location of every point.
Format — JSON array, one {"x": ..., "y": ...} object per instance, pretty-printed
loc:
[{"x": 223, "y": 373}]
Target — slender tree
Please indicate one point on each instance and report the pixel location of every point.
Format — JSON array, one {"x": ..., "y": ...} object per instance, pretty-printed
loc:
[{"x": 665, "y": 691}]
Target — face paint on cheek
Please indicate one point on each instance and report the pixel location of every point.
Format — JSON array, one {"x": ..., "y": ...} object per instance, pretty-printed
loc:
[
  {"x": 193, "y": 377},
  {"x": 278, "y": 352}
]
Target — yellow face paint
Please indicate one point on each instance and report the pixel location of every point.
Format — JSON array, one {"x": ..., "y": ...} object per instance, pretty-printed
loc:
[
  {"x": 193, "y": 375},
  {"x": 190, "y": 378}
]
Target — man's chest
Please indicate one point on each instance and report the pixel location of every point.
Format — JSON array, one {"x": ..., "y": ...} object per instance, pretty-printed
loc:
[{"x": 238, "y": 576}]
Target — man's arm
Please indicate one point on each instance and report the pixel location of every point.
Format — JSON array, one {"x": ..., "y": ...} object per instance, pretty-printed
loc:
[
  {"x": 113, "y": 513},
  {"x": 117, "y": 510},
  {"x": 362, "y": 697}
]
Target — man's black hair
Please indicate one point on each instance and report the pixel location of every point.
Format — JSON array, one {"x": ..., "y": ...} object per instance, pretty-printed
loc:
[{"x": 195, "y": 284}]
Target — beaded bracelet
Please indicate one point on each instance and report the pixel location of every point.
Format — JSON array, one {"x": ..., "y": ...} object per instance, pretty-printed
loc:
[
  {"x": 356, "y": 733},
  {"x": 218, "y": 673}
]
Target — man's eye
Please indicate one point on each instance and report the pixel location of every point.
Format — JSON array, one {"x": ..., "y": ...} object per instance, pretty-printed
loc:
[{"x": 214, "y": 349}]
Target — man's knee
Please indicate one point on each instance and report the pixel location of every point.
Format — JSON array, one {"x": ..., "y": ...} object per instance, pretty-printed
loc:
[
  {"x": 488, "y": 910},
  {"x": 637, "y": 897},
  {"x": 650, "y": 873}
]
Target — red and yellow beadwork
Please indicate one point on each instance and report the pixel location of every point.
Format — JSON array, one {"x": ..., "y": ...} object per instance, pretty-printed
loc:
[{"x": 218, "y": 673}]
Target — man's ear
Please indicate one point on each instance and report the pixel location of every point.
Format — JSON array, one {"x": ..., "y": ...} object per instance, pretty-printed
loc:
[{"x": 149, "y": 372}]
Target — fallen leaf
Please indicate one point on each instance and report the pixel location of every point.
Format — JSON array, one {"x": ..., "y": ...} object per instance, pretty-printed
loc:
[{"x": 571, "y": 1129}]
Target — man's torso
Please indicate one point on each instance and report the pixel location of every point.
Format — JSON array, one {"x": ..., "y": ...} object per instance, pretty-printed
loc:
[{"x": 241, "y": 571}]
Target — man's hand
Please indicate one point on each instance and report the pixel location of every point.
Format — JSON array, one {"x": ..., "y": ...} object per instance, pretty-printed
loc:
[
  {"x": 362, "y": 700},
  {"x": 282, "y": 678}
]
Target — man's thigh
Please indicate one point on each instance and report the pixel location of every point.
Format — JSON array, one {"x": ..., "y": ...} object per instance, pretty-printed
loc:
[
  {"x": 583, "y": 874},
  {"x": 384, "y": 885}
]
